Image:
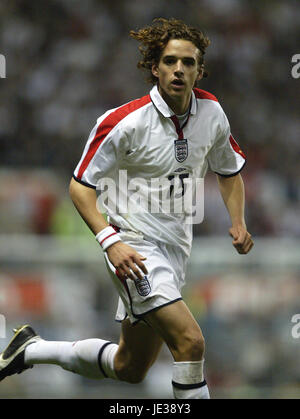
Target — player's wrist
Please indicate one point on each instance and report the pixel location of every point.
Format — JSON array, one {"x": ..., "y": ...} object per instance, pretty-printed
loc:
[
  {"x": 239, "y": 224},
  {"x": 107, "y": 237}
]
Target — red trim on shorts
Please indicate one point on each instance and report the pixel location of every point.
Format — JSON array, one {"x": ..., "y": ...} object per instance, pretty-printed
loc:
[
  {"x": 107, "y": 125},
  {"x": 123, "y": 281}
]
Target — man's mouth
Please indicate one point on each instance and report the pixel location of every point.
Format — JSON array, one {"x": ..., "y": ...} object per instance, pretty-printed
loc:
[{"x": 177, "y": 82}]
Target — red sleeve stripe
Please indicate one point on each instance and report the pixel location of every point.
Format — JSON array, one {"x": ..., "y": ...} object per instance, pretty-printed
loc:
[
  {"x": 236, "y": 147},
  {"x": 107, "y": 125},
  {"x": 203, "y": 94}
]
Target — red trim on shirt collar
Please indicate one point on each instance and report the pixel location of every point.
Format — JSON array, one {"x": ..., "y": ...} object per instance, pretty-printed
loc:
[{"x": 203, "y": 94}]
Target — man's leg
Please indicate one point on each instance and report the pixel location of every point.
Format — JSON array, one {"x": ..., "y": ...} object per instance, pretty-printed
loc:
[
  {"x": 139, "y": 347},
  {"x": 180, "y": 331},
  {"x": 129, "y": 361},
  {"x": 81, "y": 357}
]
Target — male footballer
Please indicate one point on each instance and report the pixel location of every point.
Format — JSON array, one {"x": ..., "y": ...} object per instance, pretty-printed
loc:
[{"x": 176, "y": 132}]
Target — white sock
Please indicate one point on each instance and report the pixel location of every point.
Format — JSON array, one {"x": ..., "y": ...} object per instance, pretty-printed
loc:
[
  {"x": 92, "y": 358},
  {"x": 106, "y": 358},
  {"x": 188, "y": 380}
]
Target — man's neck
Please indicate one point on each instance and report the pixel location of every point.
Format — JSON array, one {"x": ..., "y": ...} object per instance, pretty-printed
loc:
[{"x": 179, "y": 107}]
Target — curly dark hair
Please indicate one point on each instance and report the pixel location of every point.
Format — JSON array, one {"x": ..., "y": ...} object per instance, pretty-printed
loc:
[{"x": 155, "y": 37}]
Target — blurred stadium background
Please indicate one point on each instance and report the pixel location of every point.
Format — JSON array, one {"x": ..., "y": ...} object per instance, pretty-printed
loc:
[{"x": 68, "y": 61}]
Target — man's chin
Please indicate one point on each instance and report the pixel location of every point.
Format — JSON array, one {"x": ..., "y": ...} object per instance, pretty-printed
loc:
[
  {"x": 177, "y": 92},
  {"x": 173, "y": 93}
]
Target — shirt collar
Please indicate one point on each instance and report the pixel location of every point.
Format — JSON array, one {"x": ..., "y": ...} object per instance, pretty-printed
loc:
[{"x": 161, "y": 105}]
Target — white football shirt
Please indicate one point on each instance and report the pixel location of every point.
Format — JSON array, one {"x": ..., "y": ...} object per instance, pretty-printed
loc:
[{"x": 142, "y": 151}]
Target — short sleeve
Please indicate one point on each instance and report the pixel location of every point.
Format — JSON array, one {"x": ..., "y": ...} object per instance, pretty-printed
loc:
[
  {"x": 226, "y": 157},
  {"x": 102, "y": 153}
]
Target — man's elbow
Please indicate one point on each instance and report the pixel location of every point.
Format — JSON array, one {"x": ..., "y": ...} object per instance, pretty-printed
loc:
[
  {"x": 80, "y": 192},
  {"x": 73, "y": 189}
]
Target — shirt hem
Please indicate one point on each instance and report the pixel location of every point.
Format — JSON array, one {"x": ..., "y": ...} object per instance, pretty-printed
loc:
[
  {"x": 84, "y": 183},
  {"x": 232, "y": 174}
]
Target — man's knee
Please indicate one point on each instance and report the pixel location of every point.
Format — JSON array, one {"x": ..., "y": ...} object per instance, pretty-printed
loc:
[
  {"x": 196, "y": 346},
  {"x": 190, "y": 347}
]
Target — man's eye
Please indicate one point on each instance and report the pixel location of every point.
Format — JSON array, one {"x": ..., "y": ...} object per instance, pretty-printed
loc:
[
  {"x": 189, "y": 62},
  {"x": 169, "y": 61}
]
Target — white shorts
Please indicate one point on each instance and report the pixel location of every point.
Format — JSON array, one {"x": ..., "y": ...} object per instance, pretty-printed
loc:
[{"x": 162, "y": 285}]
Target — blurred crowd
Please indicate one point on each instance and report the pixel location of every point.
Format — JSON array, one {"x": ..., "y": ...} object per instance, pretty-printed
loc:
[{"x": 68, "y": 61}]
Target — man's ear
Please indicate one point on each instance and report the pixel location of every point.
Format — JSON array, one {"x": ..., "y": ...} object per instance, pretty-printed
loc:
[
  {"x": 201, "y": 72},
  {"x": 154, "y": 70}
]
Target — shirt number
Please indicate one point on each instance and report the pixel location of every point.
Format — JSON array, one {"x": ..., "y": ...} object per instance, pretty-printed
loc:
[{"x": 181, "y": 177}]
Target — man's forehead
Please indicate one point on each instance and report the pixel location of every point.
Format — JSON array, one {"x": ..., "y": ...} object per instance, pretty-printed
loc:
[{"x": 180, "y": 47}]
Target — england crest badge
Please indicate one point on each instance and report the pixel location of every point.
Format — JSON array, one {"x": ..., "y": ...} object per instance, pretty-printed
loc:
[
  {"x": 142, "y": 286},
  {"x": 181, "y": 150}
]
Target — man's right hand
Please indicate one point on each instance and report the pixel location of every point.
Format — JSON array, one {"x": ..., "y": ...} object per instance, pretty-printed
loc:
[{"x": 126, "y": 260}]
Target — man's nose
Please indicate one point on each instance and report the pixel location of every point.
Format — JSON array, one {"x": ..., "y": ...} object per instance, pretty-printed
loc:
[{"x": 179, "y": 70}]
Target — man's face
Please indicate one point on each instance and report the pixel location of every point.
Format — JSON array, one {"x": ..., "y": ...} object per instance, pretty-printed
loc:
[{"x": 178, "y": 70}]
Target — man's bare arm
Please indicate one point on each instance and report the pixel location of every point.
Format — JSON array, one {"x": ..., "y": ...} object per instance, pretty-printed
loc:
[
  {"x": 124, "y": 258},
  {"x": 85, "y": 200},
  {"x": 233, "y": 194}
]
